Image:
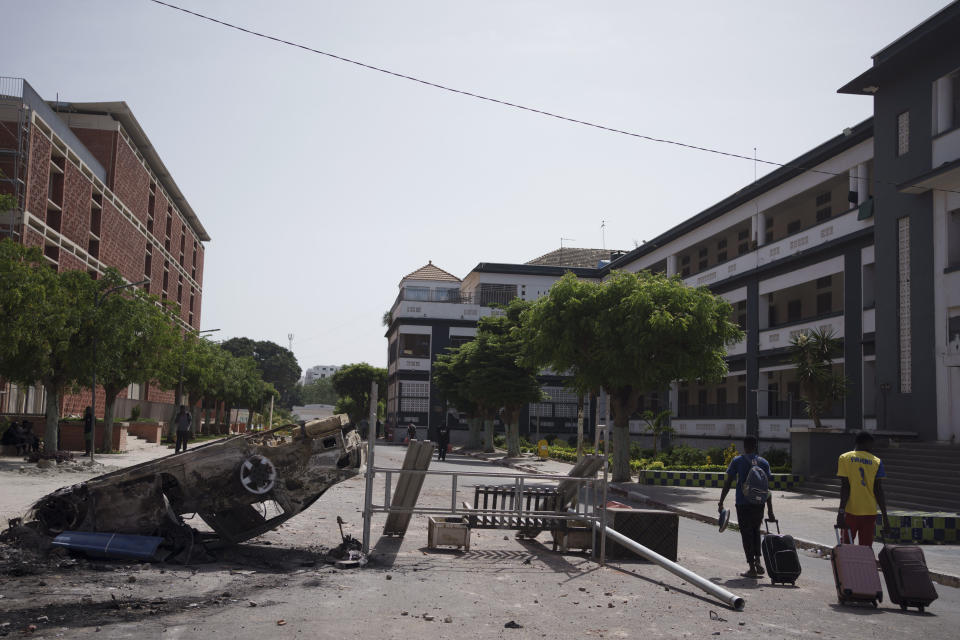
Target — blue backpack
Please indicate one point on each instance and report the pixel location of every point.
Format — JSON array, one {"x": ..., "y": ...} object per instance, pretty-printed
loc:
[{"x": 756, "y": 487}]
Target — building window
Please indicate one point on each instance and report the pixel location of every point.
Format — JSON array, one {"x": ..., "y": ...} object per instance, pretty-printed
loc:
[
  {"x": 744, "y": 247},
  {"x": 685, "y": 272},
  {"x": 823, "y": 214},
  {"x": 794, "y": 310},
  {"x": 946, "y": 103},
  {"x": 684, "y": 260},
  {"x": 823, "y": 198},
  {"x": 414, "y": 345},
  {"x": 722, "y": 256},
  {"x": 744, "y": 234},
  {"x": 722, "y": 244},
  {"x": 953, "y": 239},
  {"x": 903, "y": 303},
  {"x": 458, "y": 341},
  {"x": 824, "y": 303},
  {"x": 794, "y": 227},
  {"x": 824, "y": 282},
  {"x": 903, "y": 133},
  {"x": 703, "y": 252},
  {"x": 416, "y": 293},
  {"x": 702, "y": 265},
  {"x": 134, "y": 391}
]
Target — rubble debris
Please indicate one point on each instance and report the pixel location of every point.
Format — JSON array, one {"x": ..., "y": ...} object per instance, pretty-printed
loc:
[
  {"x": 242, "y": 487},
  {"x": 513, "y": 625}
]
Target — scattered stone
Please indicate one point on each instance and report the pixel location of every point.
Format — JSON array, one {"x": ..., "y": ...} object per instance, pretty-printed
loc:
[
  {"x": 43, "y": 619},
  {"x": 225, "y": 594},
  {"x": 280, "y": 623},
  {"x": 428, "y": 617},
  {"x": 252, "y": 603},
  {"x": 132, "y": 579},
  {"x": 608, "y": 593},
  {"x": 404, "y": 613},
  {"x": 31, "y": 628},
  {"x": 512, "y": 625},
  {"x": 389, "y": 577},
  {"x": 741, "y": 623},
  {"x": 610, "y": 605},
  {"x": 448, "y": 619},
  {"x": 42, "y": 583},
  {"x": 583, "y": 588}
]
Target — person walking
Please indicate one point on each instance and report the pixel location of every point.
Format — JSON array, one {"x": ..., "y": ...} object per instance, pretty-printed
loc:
[
  {"x": 411, "y": 432},
  {"x": 87, "y": 430},
  {"x": 183, "y": 422},
  {"x": 861, "y": 491},
  {"x": 443, "y": 441},
  {"x": 752, "y": 475}
]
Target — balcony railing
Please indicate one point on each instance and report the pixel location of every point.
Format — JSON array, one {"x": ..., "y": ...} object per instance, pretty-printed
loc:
[
  {"x": 453, "y": 296},
  {"x": 727, "y": 410}
]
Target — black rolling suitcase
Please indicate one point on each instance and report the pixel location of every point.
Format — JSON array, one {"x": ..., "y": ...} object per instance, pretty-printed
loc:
[
  {"x": 780, "y": 556},
  {"x": 905, "y": 572}
]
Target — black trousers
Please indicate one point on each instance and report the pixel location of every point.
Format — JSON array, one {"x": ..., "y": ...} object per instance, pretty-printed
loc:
[
  {"x": 182, "y": 438},
  {"x": 750, "y": 518}
]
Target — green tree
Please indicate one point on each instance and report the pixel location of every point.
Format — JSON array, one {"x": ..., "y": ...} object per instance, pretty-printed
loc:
[
  {"x": 45, "y": 326},
  {"x": 812, "y": 353},
  {"x": 135, "y": 340},
  {"x": 637, "y": 333},
  {"x": 203, "y": 365},
  {"x": 277, "y": 364},
  {"x": 352, "y": 384},
  {"x": 657, "y": 425},
  {"x": 560, "y": 331},
  {"x": 450, "y": 375},
  {"x": 499, "y": 377},
  {"x": 320, "y": 391}
]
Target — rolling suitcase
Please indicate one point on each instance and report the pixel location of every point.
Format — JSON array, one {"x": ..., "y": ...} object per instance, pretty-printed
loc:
[
  {"x": 855, "y": 573},
  {"x": 906, "y": 575},
  {"x": 780, "y": 556}
]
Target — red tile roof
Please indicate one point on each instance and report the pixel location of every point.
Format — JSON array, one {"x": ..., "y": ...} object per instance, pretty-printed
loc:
[{"x": 430, "y": 271}]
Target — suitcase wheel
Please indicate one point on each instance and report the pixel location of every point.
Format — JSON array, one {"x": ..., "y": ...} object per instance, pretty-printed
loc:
[
  {"x": 903, "y": 607},
  {"x": 921, "y": 608},
  {"x": 875, "y": 604}
]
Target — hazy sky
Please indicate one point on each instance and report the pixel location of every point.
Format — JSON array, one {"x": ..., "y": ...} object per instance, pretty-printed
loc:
[{"x": 322, "y": 183}]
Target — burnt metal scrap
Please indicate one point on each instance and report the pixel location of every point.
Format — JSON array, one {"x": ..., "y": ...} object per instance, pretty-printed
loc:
[{"x": 241, "y": 487}]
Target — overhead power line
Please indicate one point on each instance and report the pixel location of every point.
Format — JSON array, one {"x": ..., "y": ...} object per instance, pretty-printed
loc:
[{"x": 507, "y": 103}]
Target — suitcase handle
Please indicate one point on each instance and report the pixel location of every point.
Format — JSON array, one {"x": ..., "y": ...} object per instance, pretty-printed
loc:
[
  {"x": 767, "y": 521},
  {"x": 836, "y": 530}
]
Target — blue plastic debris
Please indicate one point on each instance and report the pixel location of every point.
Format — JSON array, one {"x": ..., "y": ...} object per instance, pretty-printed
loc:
[{"x": 109, "y": 545}]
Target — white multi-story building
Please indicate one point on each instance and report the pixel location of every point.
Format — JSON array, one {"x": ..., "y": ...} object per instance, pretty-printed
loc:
[
  {"x": 859, "y": 236},
  {"x": 319, "y": 372}
]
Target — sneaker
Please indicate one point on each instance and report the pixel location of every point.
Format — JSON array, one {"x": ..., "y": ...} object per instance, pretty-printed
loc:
[
  {"x": 758, "y": 568},
  {"x": 752, "y": 573}
]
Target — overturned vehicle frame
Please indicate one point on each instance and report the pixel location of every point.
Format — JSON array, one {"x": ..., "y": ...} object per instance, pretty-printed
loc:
[{"x": 241, "y": 487}]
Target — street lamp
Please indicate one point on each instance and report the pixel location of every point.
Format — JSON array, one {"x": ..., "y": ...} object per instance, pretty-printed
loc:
[{"x": 97, "y": 299}]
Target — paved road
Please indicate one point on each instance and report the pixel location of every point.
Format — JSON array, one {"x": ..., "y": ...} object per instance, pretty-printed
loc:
[{"x": 551, "y": 595}]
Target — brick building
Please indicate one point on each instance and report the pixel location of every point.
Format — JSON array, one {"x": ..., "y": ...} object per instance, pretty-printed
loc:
[{"x": 92, "y": 193}]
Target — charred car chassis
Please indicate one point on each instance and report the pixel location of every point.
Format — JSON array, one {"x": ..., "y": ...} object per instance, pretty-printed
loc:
[{"x": 241, "y": 487}]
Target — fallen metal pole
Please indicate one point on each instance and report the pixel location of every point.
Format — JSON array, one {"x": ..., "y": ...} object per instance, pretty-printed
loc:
[{"x": 720, "y": 593}]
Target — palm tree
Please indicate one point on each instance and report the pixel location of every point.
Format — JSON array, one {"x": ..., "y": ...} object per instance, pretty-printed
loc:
[{"x": 812, "y": 353}]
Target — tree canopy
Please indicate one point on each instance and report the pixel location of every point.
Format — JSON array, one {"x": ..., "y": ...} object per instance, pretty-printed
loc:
[
  {"x": 277, "y": 364},
  {"x": 320, "y": 391},
  {"x": 631, "y": 334},
  {"x": 352, "y": 384}
]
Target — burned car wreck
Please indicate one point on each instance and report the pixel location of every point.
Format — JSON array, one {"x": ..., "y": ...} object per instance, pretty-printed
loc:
[{"x": 241, "y": 487}]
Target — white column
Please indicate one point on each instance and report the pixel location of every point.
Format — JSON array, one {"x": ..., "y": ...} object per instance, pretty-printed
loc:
[
  {"x": 864, "y": 178},
  {"x": 759, "y": 231},
  {"x": 944, "y": 113},
  {"x": 671, "y": 265}
]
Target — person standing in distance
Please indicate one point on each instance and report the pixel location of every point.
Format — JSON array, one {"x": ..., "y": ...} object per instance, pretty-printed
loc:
[
  {"x": 183, "y": 422},
  {"x": 752, "y": 475},
  {"x": 861, "y": 491}
]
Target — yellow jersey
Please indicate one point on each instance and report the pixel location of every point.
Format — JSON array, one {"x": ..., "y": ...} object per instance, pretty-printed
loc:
[{"x": 861, "y": 469}]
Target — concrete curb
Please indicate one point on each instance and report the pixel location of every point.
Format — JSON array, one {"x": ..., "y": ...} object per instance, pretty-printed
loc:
[{"x": 946, "y": 579}]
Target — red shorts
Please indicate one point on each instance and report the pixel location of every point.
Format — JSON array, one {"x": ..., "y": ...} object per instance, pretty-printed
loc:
[{"x": 861, "y": 528}]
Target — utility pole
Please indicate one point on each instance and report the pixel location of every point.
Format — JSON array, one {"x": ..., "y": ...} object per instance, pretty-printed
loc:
[{"x": 290, "y": 340}]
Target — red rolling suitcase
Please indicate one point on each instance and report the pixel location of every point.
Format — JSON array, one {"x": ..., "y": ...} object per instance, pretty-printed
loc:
[
  {"x": 908, "y": 580},
  {"x": 855, "y": 573}
]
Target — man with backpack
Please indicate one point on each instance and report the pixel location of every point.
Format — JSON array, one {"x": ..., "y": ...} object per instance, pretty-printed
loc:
[{"x": 752, "y": 475}]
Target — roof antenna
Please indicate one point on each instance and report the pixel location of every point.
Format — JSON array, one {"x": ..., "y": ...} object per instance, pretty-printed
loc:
[
  {"x": 603, "y": 233},
  {"x": 290, "y": 338}
]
